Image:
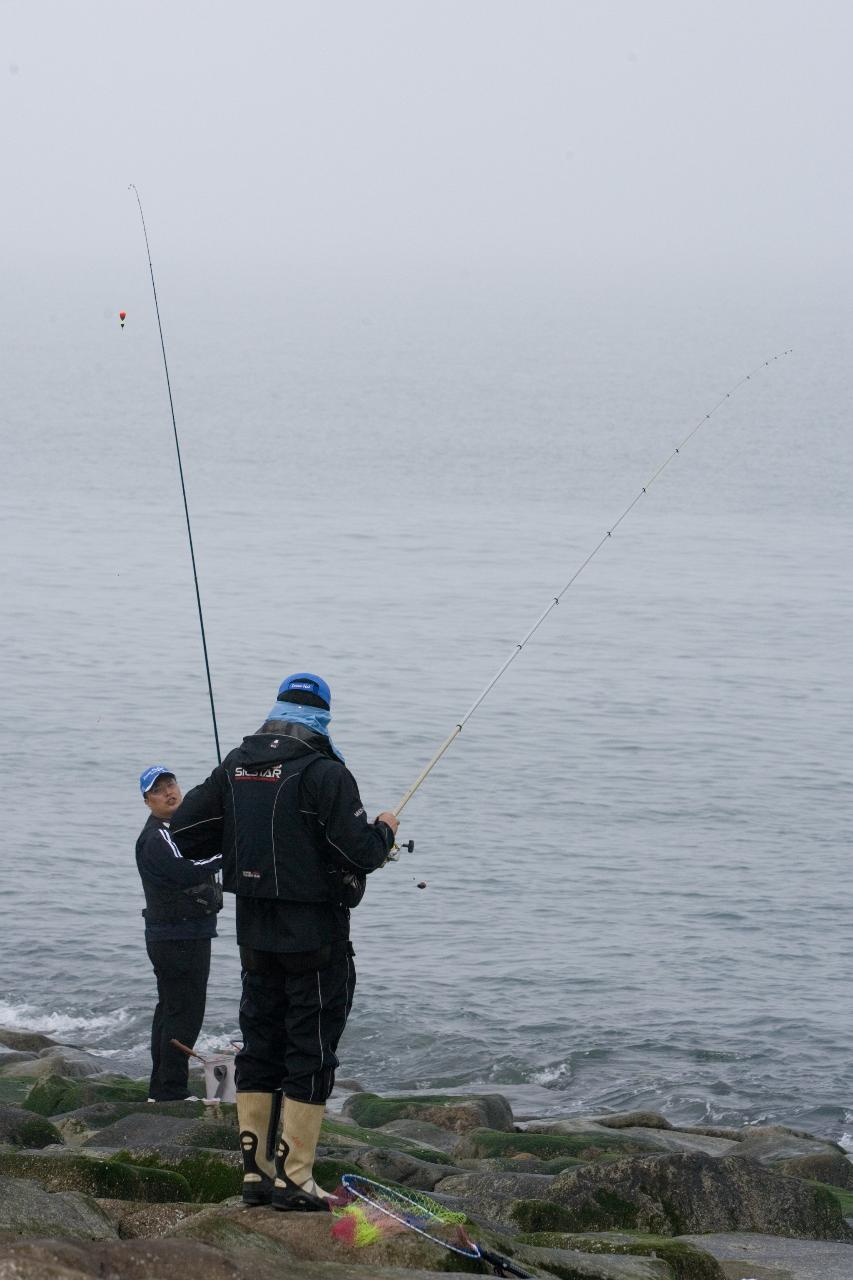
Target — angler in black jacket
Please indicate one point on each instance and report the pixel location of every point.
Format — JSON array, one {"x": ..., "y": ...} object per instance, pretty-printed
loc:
[
  {"x": 181, "y": 902},
  {"x": 296, "y": 845}
]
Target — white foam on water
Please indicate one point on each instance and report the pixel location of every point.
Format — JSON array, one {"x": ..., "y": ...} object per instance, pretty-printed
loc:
[
  {"x": 213, "y": 1044},
  {"x": 551, "y": 1075},
  {"x": 27, "y": 1017}
]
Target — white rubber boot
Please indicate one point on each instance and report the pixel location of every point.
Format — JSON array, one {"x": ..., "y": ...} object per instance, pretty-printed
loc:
[
  {"x": 257, "y": 1116},
  {"x": 294, "y": 1187}
]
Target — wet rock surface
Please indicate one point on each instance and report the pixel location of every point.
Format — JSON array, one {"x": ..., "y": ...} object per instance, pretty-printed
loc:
[
  {"x": 26, "y": 1041},
  {"x": 172, "y": 1260},
  {"x": 423, "y": 1133},
  {"x": 757, "y": 1255},
  {"x": 94, "y": 1181},
  {"x": 19, "y": 1128},
  {"x": 27, "y": 1210},
  {"x": 674, "y": 1195},
  {"x": 458, "y": 1114}
]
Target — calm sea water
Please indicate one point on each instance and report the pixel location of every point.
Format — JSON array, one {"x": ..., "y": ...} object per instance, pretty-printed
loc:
[{"x": 637, "y": 854}]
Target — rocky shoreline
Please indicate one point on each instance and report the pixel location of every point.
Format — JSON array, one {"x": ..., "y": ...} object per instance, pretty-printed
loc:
[{"x": 94, "y": 1181}]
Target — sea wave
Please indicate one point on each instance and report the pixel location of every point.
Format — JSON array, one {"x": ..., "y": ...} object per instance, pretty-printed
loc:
[{"x": 55, "y": 1022}]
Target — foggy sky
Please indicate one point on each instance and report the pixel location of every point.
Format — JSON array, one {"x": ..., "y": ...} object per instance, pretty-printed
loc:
[{"x": 541, "y": 138}]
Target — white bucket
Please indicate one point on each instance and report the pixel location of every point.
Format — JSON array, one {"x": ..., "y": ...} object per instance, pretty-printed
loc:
[{"x": 219, "y": 1083}]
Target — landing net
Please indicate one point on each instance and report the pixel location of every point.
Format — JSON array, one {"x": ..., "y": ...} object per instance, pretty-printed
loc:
[{"x": 376, "y": 1211}]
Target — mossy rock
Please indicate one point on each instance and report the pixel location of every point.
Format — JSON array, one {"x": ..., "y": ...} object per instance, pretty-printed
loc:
[
  {"x": 221, "y": 1137},
  {"x": 517, "y": 1164},
  {"x": 207, "y": 1179},
  {"x": 449, "y": 1111},
  {"x": 54, "y": 1094},
  {"x": 108, "y": 1179},
  {"x": 536, "y": 1217},
  {"x": 98, "y": 1115},
  {"x": 829, "y": 1167},
  {"x": 604, "y": 1209},
  {"x": 13, "y": 1090},
  {"x": 685, "y": 1260},
  {"x": 328, "y": 1173},
  {"x": 842, "y": 1196},
  {"x": 581, "y": 1148},
  {"x": 20, "y": 1128},
  {"x": 391, "y": 1142},
  {"x": 634, "y": 1120}
]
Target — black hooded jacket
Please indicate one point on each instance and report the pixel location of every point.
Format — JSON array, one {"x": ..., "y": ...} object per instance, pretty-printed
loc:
[{"x": 286, "y": 815}]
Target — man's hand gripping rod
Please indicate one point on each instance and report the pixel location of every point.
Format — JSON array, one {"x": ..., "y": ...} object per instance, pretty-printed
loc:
[{"x": 427, "y": 770}]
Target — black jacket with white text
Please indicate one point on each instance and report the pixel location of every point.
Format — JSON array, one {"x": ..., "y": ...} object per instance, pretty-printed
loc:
[{"x": 287, "y": 817}]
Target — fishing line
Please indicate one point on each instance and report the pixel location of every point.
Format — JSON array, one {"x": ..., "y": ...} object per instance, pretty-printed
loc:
[
  {"x": 132, "y": 187},
  {"x": 427, "y": 770}
]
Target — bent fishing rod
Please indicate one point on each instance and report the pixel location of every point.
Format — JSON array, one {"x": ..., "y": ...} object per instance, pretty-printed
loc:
[
  {"x": 132, "y": 187},
  {"x": 555, "y": 600}
]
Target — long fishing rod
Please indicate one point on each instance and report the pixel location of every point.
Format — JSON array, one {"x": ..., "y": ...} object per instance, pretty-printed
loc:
[
  {"x": 132, "y": 187},
  {"x": 451, "y": 737}
]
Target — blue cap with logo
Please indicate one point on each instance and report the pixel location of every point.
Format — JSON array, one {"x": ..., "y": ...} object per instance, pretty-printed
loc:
[
  {"x": 304, "y": 682},
  {"x": 150, "y": 776}
]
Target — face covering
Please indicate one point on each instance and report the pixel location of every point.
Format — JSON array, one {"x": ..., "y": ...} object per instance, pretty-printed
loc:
[{"x": 313, "y": 718}]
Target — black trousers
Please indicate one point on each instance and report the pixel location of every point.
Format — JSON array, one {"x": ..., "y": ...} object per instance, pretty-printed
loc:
[
  {"x": 294, "y": 1008},
  {"x": 182, "y": 969}
]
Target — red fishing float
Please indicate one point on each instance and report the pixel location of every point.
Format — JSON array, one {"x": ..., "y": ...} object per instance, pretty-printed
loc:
[{"x": 121, "y": 318}]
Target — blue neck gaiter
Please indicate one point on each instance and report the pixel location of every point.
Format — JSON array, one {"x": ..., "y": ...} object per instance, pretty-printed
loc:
[{"x": 313, "y": 718}]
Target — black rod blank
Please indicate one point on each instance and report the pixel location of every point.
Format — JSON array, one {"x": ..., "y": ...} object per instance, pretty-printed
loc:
[{"x": 132, "y": 188}]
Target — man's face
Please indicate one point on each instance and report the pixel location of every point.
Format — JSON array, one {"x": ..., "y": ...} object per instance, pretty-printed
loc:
[{"x": 164, "y": 797}]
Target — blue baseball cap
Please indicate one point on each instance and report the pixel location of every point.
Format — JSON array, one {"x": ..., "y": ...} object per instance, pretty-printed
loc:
[
  {"x": 150, "y": 776},
  {"x": 304, "y": 682}
]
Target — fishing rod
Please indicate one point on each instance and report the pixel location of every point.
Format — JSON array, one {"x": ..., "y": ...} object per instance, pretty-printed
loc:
[
  {"x": 451, "y": 737},
  {"x": 132, "y": 187}
]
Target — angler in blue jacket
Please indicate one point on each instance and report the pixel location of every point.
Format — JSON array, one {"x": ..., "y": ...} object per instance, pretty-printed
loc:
[
  {"x": 181, "y": 902},
  {"x": 296, "y": 847}
]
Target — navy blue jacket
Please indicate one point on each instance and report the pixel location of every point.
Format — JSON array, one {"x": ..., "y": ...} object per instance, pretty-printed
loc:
[{"x": 181, "y": 897}]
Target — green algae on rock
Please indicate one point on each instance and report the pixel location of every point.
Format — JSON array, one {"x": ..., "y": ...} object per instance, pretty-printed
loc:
[
  {"x": 13, "y": 1089},
  {"x": 448, "y": 1111},
  {"x": 843, "y": 1198},
  {"x": 354, "y": 1135},
  {"x": 206, "y": 1177},
  {"x": 53, "y": 1094},
  {"x": 21, "y": 1128},
  {"x": 489, "y": 1143},
  {"x": 112, "y": 1179},
  {"x": 689, "y": 1194},
  {"x": 832, "y": 1169},
  {"x": 685, "y": 1261}
]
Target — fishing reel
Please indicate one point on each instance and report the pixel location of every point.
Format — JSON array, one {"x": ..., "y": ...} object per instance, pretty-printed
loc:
[{"x": 397, "y": 849}]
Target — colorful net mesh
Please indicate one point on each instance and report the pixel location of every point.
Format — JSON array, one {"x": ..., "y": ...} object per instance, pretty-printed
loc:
[{"x": 371, "y": 1211}]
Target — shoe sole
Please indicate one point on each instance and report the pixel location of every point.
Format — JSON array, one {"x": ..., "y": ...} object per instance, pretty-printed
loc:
[{"x": 300, "y": 1206}]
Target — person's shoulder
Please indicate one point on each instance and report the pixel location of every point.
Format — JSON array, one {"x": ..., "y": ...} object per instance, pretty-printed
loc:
[
  {"x": 325, "y": 769},
  {"x": 148, "y": 832},
  {"x": 151, "y": 824}
]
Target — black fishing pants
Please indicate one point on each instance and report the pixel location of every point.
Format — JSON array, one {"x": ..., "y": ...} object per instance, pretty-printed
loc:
[
  {"x": 294, "y": 1008},
  {"x": 182, "y": 970}
]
